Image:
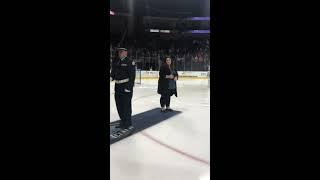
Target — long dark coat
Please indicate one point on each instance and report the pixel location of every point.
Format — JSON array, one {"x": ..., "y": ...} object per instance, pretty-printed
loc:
[{"x": 163, "y": 82}]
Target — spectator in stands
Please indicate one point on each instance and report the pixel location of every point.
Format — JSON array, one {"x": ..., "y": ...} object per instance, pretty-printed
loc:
[{"x": 190, "y": 54}]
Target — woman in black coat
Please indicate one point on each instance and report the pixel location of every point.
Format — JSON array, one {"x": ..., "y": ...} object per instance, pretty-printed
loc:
[{"x": 167, "y": 84}]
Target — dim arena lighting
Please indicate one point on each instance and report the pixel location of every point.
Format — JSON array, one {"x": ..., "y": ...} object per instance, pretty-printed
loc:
[
  {"x": 199, "y": 18},
  {"x": 199, "y": 31}
]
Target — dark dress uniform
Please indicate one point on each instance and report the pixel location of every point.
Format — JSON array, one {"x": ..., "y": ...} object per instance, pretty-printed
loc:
[
  {"x": 166, "y": 87},
  {"x": 123, "y": 72}
]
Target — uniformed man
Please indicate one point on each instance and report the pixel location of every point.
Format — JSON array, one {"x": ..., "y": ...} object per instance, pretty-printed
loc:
[{"x": 123, "y": 71}]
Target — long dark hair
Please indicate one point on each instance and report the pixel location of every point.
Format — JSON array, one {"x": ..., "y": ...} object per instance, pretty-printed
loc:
[{"x": 165, "y": 62}]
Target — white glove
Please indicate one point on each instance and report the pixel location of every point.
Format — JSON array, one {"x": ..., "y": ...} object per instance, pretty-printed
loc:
[{"x": 126, "y": 90}]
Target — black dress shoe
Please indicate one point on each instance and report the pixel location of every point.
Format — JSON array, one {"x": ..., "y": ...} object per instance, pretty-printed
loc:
[{"x": 118, "y": 127}]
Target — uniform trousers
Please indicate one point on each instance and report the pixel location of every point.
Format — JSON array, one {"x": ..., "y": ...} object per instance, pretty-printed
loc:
[{"x": 123, "y": 103}]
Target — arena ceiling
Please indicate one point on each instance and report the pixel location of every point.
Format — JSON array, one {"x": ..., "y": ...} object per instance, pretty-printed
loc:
[{"x": 163, "y": 8}]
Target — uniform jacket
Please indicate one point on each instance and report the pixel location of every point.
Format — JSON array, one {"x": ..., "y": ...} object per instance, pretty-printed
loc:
[{"x": 123, "y": 69}]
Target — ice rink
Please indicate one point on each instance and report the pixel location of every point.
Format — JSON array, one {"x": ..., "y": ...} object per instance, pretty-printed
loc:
[{"x": 175, "y": 149}]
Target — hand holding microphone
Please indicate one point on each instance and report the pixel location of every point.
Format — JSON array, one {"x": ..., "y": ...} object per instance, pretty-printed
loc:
[{"x": 170, "y": 76}]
